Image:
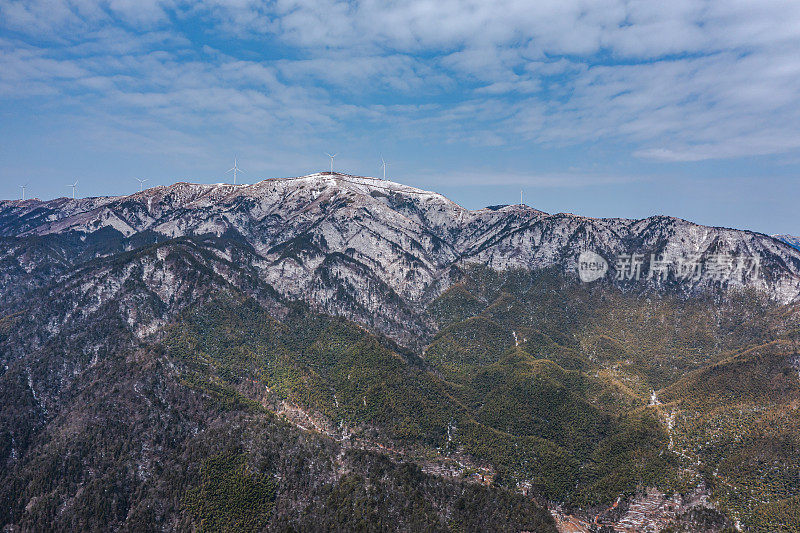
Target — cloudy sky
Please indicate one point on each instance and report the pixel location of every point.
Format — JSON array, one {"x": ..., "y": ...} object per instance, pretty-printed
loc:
[{"x": 603, "y": 108}]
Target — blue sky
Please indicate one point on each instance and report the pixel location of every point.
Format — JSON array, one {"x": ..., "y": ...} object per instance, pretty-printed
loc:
[{"x": 602, "y": 108}]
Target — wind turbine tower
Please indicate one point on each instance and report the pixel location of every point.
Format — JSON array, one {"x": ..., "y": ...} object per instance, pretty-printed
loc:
[
  {"x": 383, "y": 164},
  {"x": 235, "y": 169},
  {"x": 521, "y": 202},
  {"x": 23, "y": 187},
  {"x": 331, "y": 156},
  {"x": 74, "y": 185},
  {"x": 141, "y": 183}
]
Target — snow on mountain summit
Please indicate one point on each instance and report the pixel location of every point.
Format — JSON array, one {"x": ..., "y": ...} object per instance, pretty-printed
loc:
[
  {"x": 375, "y": 250},
  {"x": 792, "y": 241}
]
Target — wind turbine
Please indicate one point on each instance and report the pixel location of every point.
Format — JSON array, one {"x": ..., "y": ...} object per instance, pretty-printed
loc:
[
  {"x": 520, "y": 198},
  {"x": 383, "y": 164},
  {"x": 235, "y": 169},
  {"x": 331, "y": 156},
  {"x": 141, "y": 183},
  {"x": 23, "y": 187},
  {"x": 73, "y": 188}
]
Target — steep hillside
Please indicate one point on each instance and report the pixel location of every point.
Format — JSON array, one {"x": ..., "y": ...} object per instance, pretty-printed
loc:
[
  {"x": 737, "y": 419},
  {"x": 133, "y": 443},
  {"x": 376, "y": 251},
  {"x": 344, "y": 353},
  {"x": 790, "y": 240}
]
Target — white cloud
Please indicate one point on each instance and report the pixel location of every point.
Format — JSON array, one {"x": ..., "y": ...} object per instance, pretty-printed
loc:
[{"x": 684, "y": 80}]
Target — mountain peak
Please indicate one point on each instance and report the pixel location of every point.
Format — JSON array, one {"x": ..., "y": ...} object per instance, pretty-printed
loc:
[
  {"x": 325, "y": 237},
  {"x": 791, "y": 240}
]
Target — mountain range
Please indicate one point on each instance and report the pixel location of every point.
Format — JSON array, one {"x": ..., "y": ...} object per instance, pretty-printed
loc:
[
  {"x": 372, "y": 250},
  {"x": 790, "y": 240},
  {"x": 344, "y": 353}
]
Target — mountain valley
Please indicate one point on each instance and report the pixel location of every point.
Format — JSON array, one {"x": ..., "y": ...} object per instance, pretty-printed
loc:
[{"x": 336, "y": 352}]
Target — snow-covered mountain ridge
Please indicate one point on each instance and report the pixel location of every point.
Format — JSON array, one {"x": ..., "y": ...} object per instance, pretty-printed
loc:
[
  {"x": 378, "y": 251},
  {"x": 791, "y": 240}
]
